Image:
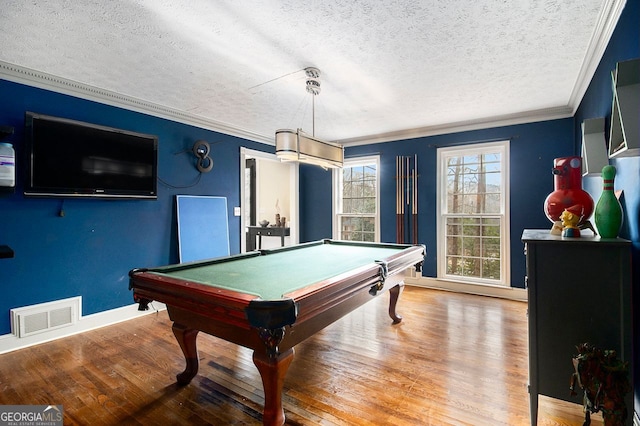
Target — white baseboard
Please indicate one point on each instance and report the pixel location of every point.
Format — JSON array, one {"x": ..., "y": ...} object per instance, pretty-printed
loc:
[
  {"x": 511, "y": 293},
  {"x": 10, "y": 342}
]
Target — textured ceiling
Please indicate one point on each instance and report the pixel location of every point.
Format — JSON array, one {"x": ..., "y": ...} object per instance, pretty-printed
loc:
[{"x": 390, "y": 69}]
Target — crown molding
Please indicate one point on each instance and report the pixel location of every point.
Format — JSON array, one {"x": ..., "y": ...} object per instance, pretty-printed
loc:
[
  {"x": 464, "y": 126},
  {"x": 605, "y": 26},
  {"x": 42, "y": 80},
  {"x": 22, "y": 75}
]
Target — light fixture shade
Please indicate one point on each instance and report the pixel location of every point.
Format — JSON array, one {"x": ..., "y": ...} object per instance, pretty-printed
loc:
[{"x": 294, "y": 145}]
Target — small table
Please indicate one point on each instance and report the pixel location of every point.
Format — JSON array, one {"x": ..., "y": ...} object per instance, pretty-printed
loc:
[
  {"x": 266, "y": 231},
  {"x": 271, "y": 300}
]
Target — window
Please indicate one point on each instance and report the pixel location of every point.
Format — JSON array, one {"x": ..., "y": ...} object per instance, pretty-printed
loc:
[
  {"x": 356, "y": 200},
  {"x": 473, "y": 228}
]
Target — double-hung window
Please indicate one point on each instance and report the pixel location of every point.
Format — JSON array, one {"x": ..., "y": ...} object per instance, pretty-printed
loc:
[
  {"x": 356, "y": 195},
  {"x": 473, "y": 219}
]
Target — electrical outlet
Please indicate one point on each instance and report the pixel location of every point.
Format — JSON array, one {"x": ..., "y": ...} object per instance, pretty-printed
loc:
[{"x": 237, "y": 211}]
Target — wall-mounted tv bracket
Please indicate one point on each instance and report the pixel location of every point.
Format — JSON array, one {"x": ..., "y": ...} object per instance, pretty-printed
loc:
[
  {"x": 5, "y": 131},
  {"x": 201, "y": 150}
]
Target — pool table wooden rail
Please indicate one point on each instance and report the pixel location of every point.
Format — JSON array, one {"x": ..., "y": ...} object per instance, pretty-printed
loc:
[
  {"x": 218, "y": 304},
  {"x": 326, "y": 295}
]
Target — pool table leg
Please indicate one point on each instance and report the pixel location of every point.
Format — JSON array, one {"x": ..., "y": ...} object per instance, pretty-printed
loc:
[
  {"x": 187, "y": 340},
  {"x": 272, "y": 371},
  {"x": 394, "y": 294}
]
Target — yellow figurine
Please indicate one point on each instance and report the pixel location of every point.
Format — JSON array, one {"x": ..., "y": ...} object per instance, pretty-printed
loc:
[{"x": 570, "y": 218}]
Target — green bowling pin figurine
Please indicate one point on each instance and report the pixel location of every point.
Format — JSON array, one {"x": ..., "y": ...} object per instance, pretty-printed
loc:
[{"x": 608, "y": 213}]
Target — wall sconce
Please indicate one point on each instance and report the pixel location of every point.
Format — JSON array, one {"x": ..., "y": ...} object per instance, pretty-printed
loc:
[{"x": 201, "y": 150}]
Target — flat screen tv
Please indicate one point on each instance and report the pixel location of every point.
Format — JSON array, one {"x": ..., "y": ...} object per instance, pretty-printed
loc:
[{"x": 68, "y": 158}]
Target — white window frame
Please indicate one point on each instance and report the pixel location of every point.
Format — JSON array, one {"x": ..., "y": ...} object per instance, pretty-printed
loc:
[
  {"x": 337, "y": 193},
  {"x": 441, "y": 201}
]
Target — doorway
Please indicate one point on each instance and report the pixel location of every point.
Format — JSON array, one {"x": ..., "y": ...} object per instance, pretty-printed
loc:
[{"x": 268, "y": 187}]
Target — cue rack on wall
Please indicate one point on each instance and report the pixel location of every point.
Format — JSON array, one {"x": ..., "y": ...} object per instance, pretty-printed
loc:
[{"x": 407, "y": 199}]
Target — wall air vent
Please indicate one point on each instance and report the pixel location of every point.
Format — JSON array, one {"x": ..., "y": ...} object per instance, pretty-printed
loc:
[{"x": 43, "y": 317}]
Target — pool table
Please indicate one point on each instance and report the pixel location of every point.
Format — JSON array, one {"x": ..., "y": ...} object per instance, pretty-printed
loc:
[{"x": 271, "y": 300}]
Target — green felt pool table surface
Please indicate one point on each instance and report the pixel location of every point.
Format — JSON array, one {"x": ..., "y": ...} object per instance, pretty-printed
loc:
[{"x": 281, "y": 271}]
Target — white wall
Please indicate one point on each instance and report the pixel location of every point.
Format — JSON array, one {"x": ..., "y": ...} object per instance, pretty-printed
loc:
[{"x": 272, "y": 180}]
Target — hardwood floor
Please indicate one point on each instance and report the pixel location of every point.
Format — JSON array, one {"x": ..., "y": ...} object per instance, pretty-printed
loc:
[{"x": 455, "y": 359}]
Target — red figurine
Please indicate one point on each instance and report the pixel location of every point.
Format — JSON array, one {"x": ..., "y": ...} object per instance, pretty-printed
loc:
[{"x": 567, "y": 182}]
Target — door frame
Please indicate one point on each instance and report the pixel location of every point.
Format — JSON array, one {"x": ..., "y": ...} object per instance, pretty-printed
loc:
[{"x": 293, "y": 220}]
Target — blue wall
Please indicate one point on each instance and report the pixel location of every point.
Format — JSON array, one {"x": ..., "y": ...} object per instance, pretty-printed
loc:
[
  {"x": 91, "y": 249},
  {"x": 315, "y": 203},
  {"x": 624, "y": 44},
  {"x": 532, "y": 150}
]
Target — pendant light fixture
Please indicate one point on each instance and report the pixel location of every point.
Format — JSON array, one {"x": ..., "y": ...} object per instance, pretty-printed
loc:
[{"x": 296, "y": 145}]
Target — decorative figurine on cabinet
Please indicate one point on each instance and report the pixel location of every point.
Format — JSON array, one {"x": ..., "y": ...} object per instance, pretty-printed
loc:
[
  {"x": 567, "y": 183},
  {"x": 570, "y": 218},
  {"x": 608, "y": 213}
]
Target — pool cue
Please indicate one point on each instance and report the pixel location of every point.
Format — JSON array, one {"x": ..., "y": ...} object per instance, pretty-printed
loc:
[
  {"x": 398, "y": 218},
  {"x": 402, "y": 200},
  {"x": 407, "y": 214},
  {"x": 415, "y": 200},
  {"x": 399, "y": 199}
]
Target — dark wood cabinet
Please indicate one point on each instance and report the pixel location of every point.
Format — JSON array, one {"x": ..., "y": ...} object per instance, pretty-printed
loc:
[{"x": 579, "y": 290}]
